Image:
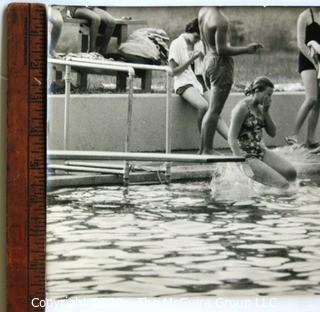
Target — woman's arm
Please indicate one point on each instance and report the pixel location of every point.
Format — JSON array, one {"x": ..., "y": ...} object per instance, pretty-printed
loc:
[
  {"x": 223, "y": 47},
  {"x": 177, "y": 69},
  {"x": 238, "y": 115},
  {"x": 270, "y": 125},
  {"x": 301, "y": 36}
]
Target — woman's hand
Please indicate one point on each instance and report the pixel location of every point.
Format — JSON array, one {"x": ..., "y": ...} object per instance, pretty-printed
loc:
[
  {"x": 253, "y": 47},
  {"x": 196, "y": 54},
  {"x": 314, "y": 56},
  {"x": 266, "y": 104},
  {"x": 314, "y": 45}
]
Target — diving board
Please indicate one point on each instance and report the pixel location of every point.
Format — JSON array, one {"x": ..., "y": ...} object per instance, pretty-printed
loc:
[{"x": 127, "y": 156}]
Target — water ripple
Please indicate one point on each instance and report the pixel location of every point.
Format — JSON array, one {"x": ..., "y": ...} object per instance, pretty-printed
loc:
[{"x": 178, "y": 240}]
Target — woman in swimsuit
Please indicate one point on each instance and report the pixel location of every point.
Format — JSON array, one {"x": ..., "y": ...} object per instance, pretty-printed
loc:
[
  {"x": 308, "y": 31},
  {"x": 249, "y": 118},
  {"x": 182, "y": 58}
]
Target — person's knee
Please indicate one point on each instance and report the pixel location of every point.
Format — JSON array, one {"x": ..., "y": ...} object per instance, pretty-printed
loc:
[
  {"x": 202, "y": 111},
  {"x": 110, "y": 22},
  {"x": 56, "y": 20},
  {"x": 215, "y": 110},
  {"x": 312, "y": 102},
  {"x": 95, "y": 20},
  {"x": 291, "y": 174},
  {"x": 317, "y": 104}
]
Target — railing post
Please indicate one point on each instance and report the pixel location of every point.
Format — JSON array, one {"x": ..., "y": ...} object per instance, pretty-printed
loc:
[
  {"x": 126, "y": 172},
  {"x": 66, "y": 107},
  {"x": 168, "y": 124}
]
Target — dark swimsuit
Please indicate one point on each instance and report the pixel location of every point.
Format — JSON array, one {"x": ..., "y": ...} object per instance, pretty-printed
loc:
[
  {"x": 251, "y": 135},
  {"x": 312, "y": 33}
]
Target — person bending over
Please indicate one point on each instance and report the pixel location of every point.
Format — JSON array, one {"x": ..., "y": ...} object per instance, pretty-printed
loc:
[
  {"x": 182, "y": 56},
  {"x": 218, "y": 67},
  {"x": 249, "y": 117}
]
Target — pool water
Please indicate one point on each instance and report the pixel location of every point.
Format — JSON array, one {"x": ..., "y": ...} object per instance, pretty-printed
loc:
[{"x": 183, "y": 239}]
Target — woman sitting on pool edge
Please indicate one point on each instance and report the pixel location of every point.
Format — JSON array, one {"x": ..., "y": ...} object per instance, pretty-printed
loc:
[
  {"x": 191, "y": 88},
  {"x": 249, "y": 117}
]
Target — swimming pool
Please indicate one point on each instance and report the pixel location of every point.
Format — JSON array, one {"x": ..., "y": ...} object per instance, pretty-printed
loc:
[{"x": 183, "y": 240}]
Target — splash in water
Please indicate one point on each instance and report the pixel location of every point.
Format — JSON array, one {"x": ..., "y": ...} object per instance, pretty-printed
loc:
[
  {"x": 231, "y": 182},
  {"x": 296, "y": 154}
]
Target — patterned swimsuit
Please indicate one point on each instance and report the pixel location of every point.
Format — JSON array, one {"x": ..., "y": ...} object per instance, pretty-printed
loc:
[{"x": 251, "y": 135}]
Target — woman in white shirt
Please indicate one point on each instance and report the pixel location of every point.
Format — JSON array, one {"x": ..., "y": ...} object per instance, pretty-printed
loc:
[{"x": 182, "y": 56}]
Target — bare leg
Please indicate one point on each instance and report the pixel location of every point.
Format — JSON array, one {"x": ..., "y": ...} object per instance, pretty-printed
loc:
[
  {"x": 196, "y": 100},
  {"x": 280, "y": 165},
  {"x": 218, "y": 97},
  {"x": 313, "y": 118},
  {"x": 309, "y": 78},
  {"x": 109, "y": 25},
  {"x": 222, "y": 126},
  {"x": 94, "y": 20},
  {"x": 266, "y": 175},
  {"x": 56, "y": 20}
]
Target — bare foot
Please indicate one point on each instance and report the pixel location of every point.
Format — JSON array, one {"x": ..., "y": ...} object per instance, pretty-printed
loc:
[
  {"x": 54, "y": 54},
  {"x": 315, "y": 151},
  {"x": 291, "y": 140}
]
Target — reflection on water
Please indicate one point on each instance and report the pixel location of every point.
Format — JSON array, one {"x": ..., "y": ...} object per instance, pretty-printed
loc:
[{"x": 177, "y": 240}]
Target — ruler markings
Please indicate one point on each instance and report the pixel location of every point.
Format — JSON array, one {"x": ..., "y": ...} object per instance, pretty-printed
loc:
[{"x": 37, "y": 161}]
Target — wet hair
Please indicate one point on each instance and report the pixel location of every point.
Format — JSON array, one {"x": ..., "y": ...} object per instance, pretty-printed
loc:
[
  {"x": 259, "y": 84},
  {"x": 193, "y": 27}
]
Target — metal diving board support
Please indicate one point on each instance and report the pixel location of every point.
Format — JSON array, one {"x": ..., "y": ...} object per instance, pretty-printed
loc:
[
  {"x": 69, "y": 168},
  {"x": 99, "y": 164},
  {"x": 129, "y": 156}
]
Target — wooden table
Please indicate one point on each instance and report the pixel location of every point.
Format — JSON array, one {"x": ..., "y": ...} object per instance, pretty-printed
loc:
[{"x": 121, "y": 30}]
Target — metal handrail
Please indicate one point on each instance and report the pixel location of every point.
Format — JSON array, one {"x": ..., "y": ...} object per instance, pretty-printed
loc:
[
  {"x": 84, "y": 63},
  {"x": 68, "y": 64},
  {"x": 169, "y": 75},
  {"x": 129, "y": 67},
  {"x": 117, "y": 63}
]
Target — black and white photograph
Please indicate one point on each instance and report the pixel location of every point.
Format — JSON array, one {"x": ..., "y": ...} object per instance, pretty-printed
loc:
[{"x": 183, "y": 152}]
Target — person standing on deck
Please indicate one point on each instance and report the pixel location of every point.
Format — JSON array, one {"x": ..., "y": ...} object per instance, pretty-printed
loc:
[
  {"x": 308, "y": 35},
  {"x": 218, "y": 68},
  {"x": 185, "y": 59}
]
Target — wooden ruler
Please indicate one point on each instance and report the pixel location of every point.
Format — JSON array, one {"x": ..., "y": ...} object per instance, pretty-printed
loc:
[{"x": 26, "y": 156}]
